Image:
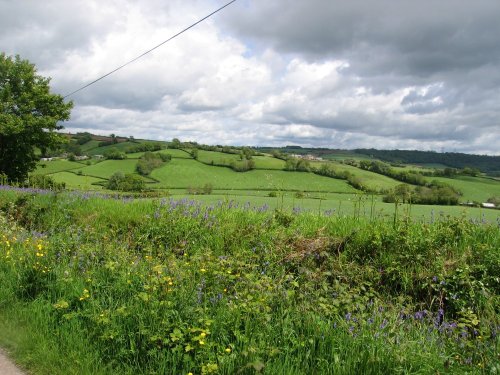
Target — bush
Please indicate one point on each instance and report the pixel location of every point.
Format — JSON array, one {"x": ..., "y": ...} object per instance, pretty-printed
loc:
[
  {"x": 204, "y": 190},
  {"x": 150, "y": 161},
  {"x": 434, "y": 193},
  {"x": 143, "y": 147},
  {"x": 114, "y": 154},
  {"x": 125, "y": 182},
  {"x": 44, "y": 182},
  {"x": 299, "y": 165},
  {"x": 243, "y": 165}
]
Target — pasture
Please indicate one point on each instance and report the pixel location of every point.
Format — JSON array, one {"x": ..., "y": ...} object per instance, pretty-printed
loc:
[{"x": 306, "y": 191}]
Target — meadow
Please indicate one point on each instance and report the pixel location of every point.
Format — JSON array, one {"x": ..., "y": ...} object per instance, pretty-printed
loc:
[
  {"x": 105, "y": 284},
  {"x": 306, "y": 191}
]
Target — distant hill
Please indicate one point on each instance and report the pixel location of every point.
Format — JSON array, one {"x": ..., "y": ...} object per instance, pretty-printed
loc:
[{"x": 485, "y": 163}]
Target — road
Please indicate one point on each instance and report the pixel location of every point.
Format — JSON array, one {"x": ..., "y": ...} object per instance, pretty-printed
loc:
[{"x": 7, "y": 367}]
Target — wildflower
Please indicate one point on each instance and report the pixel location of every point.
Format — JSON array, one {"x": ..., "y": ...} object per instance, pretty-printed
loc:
[{"x": 228, "y": 350}]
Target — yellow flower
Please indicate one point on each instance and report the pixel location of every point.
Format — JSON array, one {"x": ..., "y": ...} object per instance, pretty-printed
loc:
[
  {"x": 203, "y": 334},
  {"x": 203, "y": 270},
  {"x": 202, "y": 342},
  {"x": 39, "y": 246},
  {"x": 228, "y": 350}
]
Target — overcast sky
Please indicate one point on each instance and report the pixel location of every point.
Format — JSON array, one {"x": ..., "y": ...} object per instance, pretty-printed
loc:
[{"x": 325, "y": 73}]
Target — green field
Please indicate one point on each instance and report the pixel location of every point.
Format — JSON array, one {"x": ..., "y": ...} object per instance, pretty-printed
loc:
[
  {"x": 89, "y": 146},
  {"x": 121, "y": 146},
  {"x": 221, "y": 158},
  {"x": 74, "y": 181},
  {"x": 49, "y": 167},
  {"x": 373, "y": 181},
  {"x": 474, "y": 189},
  {"x": 106, "y": 168},
  {"x": 185, "y": 173}
]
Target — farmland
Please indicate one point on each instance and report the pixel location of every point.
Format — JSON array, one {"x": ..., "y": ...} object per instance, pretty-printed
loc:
[
  {"x": 265, "y": 271},
  {"x": 308, "y": 190}
]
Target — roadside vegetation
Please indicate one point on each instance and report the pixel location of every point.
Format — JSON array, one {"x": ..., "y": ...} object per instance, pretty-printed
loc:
[{"x": 103, "y": 285}]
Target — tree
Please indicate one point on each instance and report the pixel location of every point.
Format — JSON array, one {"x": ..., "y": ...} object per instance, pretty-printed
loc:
[{"x": 29, "y": 116}]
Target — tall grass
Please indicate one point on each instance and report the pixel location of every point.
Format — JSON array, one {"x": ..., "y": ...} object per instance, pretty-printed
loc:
[{"x": 162, "y": 286}]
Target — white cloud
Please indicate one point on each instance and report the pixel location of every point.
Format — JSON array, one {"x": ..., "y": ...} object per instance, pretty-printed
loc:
[{"x": 335, "y": 75}]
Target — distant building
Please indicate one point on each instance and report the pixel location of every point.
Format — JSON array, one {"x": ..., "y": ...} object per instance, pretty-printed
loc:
[
  {"x": 488, "y": 205},
  {"x": 306, "y": 157},
  {"x": 46, "y": 159},
  {"x": 83, "y": 157}
]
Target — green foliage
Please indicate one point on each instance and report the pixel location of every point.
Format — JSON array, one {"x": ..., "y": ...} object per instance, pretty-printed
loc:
[
  {"x": 495, "y": 200},
  {"x": 114, "y": 154},
  {"x": 44, "y": 182},
  {"x": 29, "y": 116},
  {"x": 296, "y": 164},
  {"x": 435, "y": 192},
  {"x": 175, "y": 144},
  {"x": 150, "y": 161},
  {"x": 242, "y": 166},
  {"x": 143, "y": 147},
  {"x": 82, "y": 138},
  {"x": 455, "y": 160},
  {"x": 174, "y": 287},
  {"x": 204, "y": 190},
  {"x": 125, "y": 182}
]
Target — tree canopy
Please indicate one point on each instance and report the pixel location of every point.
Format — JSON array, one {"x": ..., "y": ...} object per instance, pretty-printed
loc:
[{"x": 29, "y": 116}]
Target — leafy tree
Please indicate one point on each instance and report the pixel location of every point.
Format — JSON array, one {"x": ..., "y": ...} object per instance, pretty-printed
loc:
[
  {"x": 125, "y": 182},
  {"x": 29, "y": 116},
  {"x": 114, "y": 154}
]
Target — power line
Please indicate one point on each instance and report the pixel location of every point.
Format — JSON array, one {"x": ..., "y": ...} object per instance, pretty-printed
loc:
[{"x": 150, "y": 50}]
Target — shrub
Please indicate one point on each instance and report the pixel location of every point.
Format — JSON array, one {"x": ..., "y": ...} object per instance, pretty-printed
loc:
[
  {"x": 125, "y": 182},
  {"x": 150, "y": 161},
  {"x": 43, "y": 182},
  {"x": 114, "y": 154}
]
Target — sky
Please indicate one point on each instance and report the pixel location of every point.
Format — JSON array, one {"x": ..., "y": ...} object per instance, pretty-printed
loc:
[{"x": 344, "y": 74}]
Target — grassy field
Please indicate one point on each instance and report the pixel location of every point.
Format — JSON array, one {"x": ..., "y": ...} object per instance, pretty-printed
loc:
[
  {"x": 89, "y": 146},
  {"x": 374, "y": 181},
  {"x": 74, "y": 181},
  {"x": 93, "y": 285},
  {"x": 365, "y": 206},
  {"x": 474, "y": 189},
  {"x": 106, "y": 168},
  {"x": 184, "y": 173},
  {"x": 220, "y": 158},
  {"x": 122, "y": 146},
  {"x": 49, "y": 167}
]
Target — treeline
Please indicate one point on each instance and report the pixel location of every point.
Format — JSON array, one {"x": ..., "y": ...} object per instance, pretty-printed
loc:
[
  {"x": 326, "y": 169},
  {"x": 244, "y": 152},
  {"x": 434, "y": 192},
  {"x": 410, "y": 177},
  {"x": 485, "y": 163}
]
